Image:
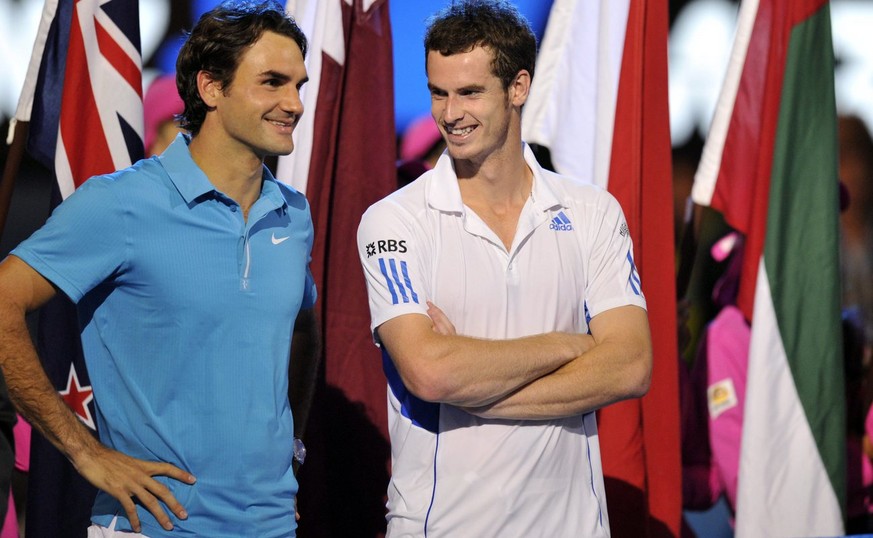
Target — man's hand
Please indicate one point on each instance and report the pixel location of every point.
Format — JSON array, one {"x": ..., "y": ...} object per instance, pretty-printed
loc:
[
  {"x": 441, "y": 323},
  {"x": 125, "y": 477}
]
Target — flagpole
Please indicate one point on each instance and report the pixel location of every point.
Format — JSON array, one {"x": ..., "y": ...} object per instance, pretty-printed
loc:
[
  {"x": 10, "y": 170},
  {"x": 687, "y": 250}
]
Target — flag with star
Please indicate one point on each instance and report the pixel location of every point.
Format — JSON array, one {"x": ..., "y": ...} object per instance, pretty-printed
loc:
[{"x": 82, "y": 98}]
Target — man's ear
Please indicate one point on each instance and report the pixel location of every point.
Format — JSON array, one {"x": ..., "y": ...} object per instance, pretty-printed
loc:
[
  {"x": 208, "y": 88},
  {"x": 519, "y": 89}
]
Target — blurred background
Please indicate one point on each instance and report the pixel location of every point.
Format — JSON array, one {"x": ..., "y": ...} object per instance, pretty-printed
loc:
[{"x": 701, "y": 35}]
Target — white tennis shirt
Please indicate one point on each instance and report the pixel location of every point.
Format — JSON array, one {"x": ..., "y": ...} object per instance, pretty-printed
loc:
[{"x": 454, "y": 474}]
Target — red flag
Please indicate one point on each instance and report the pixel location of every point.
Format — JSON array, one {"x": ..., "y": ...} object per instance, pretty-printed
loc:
[
  {"x": 83, "y": 99},
  {"x": 641, "y": 179},
  {"x": 350, "y": 129},
  {"x": 607, "y": 61}
]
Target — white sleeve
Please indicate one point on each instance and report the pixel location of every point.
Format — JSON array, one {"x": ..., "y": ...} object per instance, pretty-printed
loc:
[
  {"x": 393, "y": 254},
  {"x": 614, "y": 280}
]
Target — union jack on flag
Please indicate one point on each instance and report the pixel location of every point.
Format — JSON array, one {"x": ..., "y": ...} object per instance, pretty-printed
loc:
[
  {"x": 84, "y": 88},
  {"x": 82, "y": 98}
]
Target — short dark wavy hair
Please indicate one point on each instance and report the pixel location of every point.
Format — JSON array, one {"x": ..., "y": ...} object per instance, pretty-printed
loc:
[
  {"x": 493, "y": 24},
  {"x": 217, "y": 42}
]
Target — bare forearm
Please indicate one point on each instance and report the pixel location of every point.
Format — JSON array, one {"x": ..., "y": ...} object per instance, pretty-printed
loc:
[
  {"x": 32, "y": 392},
  {"x": 127, "y": 479},
  {"x": 470, "y": 372},
  {"x": 597, "y": 378}
]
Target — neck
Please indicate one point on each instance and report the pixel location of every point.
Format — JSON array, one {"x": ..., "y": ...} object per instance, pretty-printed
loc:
[
  {"x": 502, "y": 179},
  {"x": 237, "y": 174}
]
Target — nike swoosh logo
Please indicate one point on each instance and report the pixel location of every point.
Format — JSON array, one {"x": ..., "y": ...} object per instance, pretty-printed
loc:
[{"x": 277, "y": 240}]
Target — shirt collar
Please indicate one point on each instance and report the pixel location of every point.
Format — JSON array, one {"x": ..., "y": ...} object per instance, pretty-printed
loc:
[
  {"x": 443, "y": 193},
  {"x": 191, "y": 181},
  {"x": 187, "y": 177}
]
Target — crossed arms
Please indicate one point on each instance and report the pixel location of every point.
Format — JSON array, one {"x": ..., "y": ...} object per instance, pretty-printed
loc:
[{"x": 546, "y": 376}]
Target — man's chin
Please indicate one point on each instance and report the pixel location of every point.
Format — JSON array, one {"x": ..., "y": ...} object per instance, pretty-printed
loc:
[{"x": 282, "y": 150}]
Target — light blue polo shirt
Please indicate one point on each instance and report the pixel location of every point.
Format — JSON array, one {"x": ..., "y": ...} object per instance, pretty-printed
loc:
[{"x": 187, "y": 312}]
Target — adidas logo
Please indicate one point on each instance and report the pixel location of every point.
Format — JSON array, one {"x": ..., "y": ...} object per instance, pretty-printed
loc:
[{"x": 561, "y": 223}]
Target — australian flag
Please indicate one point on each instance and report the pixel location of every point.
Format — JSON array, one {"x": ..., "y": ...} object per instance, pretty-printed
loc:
[{"x": 83, "y": 98}]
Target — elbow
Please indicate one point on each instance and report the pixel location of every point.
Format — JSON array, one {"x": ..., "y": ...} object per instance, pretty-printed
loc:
[
  {"x": 425, "y": 380},
  {"x": 428, "y": 386},
  {"x": 640, "y": 379}
]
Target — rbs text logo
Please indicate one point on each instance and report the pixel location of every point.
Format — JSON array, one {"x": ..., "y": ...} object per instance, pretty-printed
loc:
[{"x": 386, "y": 245}]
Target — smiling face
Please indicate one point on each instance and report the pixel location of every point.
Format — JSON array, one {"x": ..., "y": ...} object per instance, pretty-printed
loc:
[
  {"x": 476, "y": 115},
  {"x": 260, "y": 108}
]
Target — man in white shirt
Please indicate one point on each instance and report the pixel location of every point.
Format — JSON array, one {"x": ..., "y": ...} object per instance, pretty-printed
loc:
[{"x": 541, "y": 320}]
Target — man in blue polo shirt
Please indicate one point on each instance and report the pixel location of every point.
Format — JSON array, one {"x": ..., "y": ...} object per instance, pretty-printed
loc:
[{"x": 188, "y": 270}]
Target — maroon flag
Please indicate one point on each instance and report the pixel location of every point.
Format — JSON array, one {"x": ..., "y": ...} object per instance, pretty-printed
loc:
[{"x": 344, "y": 161}]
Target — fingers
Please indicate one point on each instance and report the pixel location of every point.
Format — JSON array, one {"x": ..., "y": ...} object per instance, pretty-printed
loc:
[
  {"x": 160, "y": 491},
  {"x": 127, "y": 478},
  {"x": 130, "y": 509},
  {"x": 128, "y": 492},
  {"x": 150, "y": 494},
  {"x": 441, "y": 322},
  {"x": 148, "y": 500},
  {"x": 171, "y": 471}
]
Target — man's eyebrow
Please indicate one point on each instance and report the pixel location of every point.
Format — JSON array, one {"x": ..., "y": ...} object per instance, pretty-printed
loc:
[
  {"x": 270, "y": 73},
  {"x": 472, "y": 87},
  {"x": 468, "y": 88},
  {"x": 273, "y": 74}
]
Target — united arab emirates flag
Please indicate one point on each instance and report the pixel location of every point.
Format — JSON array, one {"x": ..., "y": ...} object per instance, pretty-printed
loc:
[{"x": 770, "y": 165}]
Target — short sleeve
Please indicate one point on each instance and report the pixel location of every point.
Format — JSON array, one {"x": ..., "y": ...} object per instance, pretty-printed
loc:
[
  {"x": 614, "y": 279},
  {"x": 82, "y": 243},
  {"x": 394, "y": 254}
]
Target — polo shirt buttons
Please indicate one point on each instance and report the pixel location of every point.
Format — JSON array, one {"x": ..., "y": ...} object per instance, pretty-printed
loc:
[{"x": 512, "y": 274}]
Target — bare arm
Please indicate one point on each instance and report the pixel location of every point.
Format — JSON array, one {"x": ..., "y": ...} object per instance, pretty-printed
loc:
[
  {"x": 303, "y": 370},
  {"x": 458, "y": 370},
  {"x": 617, "y": 367},
  {"x": 22, "y": 290}
]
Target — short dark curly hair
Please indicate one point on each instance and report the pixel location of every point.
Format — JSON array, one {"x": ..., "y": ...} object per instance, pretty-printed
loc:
[
  {"x": 493, "y": 24},
  {"x": 217, "y": 42}
]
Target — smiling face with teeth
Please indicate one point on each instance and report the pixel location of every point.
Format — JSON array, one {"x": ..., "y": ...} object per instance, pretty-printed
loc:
[
  {"x": 478, "y": 118},
  {"x": 260, "y": 108}
]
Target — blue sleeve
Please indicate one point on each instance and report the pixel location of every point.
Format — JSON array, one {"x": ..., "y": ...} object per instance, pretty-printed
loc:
[{"x": 82, "y": 243}]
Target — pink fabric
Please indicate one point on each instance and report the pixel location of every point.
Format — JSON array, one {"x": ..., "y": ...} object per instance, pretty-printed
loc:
[
  {"x": 21, "y": 432},
  {"x": 421, "y": 135},
  {"x": 161, "y": 103},
  {"x": 10, "y": 524},
  {"x": 728, "y": 354}
]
